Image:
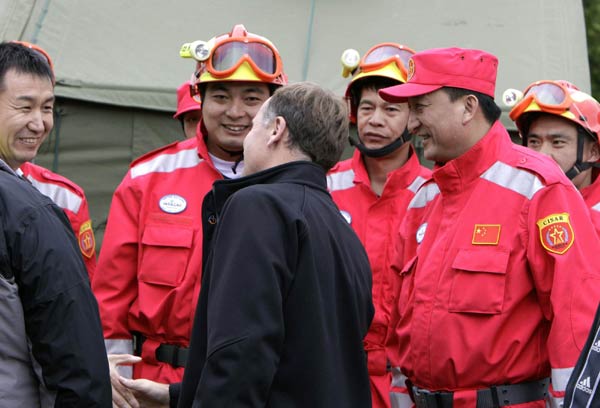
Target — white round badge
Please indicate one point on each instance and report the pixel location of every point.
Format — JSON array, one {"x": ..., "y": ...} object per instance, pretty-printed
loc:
[
  {"x": 172, "y": 204},
  {"x": 421, "y": 232},
  {"x": 346, "y": 216}
]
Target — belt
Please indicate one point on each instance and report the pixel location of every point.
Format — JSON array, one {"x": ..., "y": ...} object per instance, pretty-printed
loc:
[
  {"x": 165, "y": 353},
  {"x": 493, "y": 397}
]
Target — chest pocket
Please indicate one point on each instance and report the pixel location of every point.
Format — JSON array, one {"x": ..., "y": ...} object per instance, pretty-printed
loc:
[
  {"x": 166, "y": 250},
  {"x": 479, "y": 280}
]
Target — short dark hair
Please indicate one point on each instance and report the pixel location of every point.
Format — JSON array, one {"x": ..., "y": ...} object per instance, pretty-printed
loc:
[
  {"x": 24, "y": 60},
  {"x": 374, "y": 83},
  {"x": 490, "y": 110},
  {"x": 316, "y": 119}
]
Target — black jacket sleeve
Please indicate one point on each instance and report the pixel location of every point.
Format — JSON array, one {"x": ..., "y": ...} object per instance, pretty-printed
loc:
[{"x": 61, "y": 313}]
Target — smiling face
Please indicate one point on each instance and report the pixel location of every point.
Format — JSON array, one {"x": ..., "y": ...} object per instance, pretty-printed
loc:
[
  {"x": 378, "y": 122},
  {"x": 438, "y": 121},
  {"x": 26, "y": 105},
  {"x": 227, "y": 112}
]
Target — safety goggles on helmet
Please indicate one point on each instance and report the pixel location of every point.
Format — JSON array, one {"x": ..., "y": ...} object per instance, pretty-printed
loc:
[
  {"x": 382, "y": 54},
  {"x": 227, "y": 57},
  {"x": 38, "y": 49},
  {"x": 237, "y": 56},
  {"x": 379, "y": 56},
  {"x": 550, "y": 97},
  {"x": 559, "y": 98}
]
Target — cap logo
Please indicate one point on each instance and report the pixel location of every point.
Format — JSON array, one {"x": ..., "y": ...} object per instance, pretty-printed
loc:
[
  {"x": 172, "y": 204},
  {"x": 411, "y": 69}
]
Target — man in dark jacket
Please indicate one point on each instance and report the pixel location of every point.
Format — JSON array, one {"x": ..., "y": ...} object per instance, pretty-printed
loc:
[
  {"x": 51, "y": 344},
  {"x": 286, "y": 292}
]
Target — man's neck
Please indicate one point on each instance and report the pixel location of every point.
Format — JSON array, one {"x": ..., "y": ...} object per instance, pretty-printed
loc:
[{"x": 378, "y": 168}]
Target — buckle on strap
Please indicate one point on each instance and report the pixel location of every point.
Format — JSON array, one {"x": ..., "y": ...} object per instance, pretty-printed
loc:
[
  {"x": 138, "y": 339},
  {"x": 427, "y": 399},
  {"x": 171, "y": 354},
  {"x": 493, "y": 397}
]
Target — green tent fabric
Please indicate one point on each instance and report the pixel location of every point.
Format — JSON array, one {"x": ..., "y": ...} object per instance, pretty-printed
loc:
[{"x": 117, "y": 62}]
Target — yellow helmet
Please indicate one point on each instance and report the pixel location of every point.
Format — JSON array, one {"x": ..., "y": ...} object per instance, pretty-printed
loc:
[
  {"x": 235, "y": 56},
  {"x": 387, "y": 60}
]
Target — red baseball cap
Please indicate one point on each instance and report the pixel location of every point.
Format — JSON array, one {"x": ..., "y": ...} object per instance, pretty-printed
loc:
[
  {"x": 185, "y": 102},
  {"x": 433, "y": 69}
]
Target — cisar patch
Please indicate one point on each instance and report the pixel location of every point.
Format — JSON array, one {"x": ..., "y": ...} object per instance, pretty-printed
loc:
[
  {"x": 87, "y": 242},
  {"x": 556, "y": 233}
]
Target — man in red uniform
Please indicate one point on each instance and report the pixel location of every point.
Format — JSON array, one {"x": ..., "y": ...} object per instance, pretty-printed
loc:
[
  {"x": 189, "y": 111},
  {"x": 557, "y": 119},
  {"x": 373, "y": 188},
  {"x": 149, "y": 271},
  {"x": 499, "y": 275},
  {"x": 65, "y": 193}
]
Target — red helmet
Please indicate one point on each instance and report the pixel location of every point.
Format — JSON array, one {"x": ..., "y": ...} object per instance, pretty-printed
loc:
[
  {"x": 388, "y": 60},
  {"x": 185, "y": 101},
  {"x": 235, "y": 56},
  {"x": 560, "y": 98}
]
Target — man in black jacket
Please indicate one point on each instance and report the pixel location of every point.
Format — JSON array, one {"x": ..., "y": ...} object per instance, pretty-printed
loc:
[
  {"x": 286, "y": 295},
  {"x": 286, "y": 289},
  {"x": 51, "y": 343}
]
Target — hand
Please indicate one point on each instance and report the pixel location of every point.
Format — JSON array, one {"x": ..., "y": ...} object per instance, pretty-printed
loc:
[
  {"x": 149, "y": 394},
  {"x": 121, "y": 396}
]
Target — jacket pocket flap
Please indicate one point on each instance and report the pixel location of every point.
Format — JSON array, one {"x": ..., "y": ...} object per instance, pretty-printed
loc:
[
  {"x": 168, "y": 236},
  {"x": 491, "y": 260}
]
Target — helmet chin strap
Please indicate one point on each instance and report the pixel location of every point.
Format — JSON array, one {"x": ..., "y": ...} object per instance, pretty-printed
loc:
[
  {"x": 382, "y": 151},
  {"x": 580, "y": 165}
]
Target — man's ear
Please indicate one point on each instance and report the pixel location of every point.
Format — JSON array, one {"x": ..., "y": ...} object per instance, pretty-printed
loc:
[
  {"x": 278, "y": 131},
  {"x": 471, "y": 106},
  {"x": 594, "y": 152}
]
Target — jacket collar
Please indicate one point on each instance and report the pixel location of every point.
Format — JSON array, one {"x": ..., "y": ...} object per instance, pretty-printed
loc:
[
  {"x": 400, "y": 178},
  {"x": 201, "y": 143},
  {"x": 454, "y": 175},
  {"x": 5, "y": 167},
  {"x": 297, "y": 172}
]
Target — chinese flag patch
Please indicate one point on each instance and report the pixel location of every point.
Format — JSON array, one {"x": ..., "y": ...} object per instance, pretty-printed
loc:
[
  {"x": 486, "y": 234},
  {"x": 87, "y": 242},
  {"x": 556, "y": 233}
]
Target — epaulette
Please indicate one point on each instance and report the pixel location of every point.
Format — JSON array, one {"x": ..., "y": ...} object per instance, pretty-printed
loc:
[
  {"x": 185, "y": 144},
  {"x": 48, "y": 175},
  {"x": 544, "y": 167}
]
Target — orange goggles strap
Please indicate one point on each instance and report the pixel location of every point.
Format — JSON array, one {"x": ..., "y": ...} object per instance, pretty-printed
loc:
[{"x": 38, "y": 49}]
